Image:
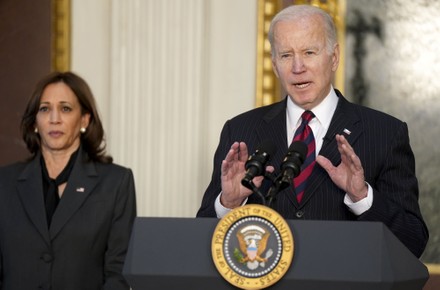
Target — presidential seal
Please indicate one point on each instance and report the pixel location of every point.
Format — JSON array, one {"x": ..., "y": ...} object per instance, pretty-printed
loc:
[{"x": 252, "y": 247}]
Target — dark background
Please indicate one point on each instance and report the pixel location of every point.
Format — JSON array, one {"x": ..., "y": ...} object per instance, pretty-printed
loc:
[{"x": 25, "y": 57}]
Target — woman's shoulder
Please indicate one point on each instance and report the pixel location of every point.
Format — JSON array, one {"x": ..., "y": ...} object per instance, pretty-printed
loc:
[
  {"x": 12, "y": 167},
  {"x": 113, "y": 168},
  {"x": 11, "y": 171}
]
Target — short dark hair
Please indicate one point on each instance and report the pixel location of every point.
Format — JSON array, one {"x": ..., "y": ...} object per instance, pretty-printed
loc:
[{"x": 92, "y": 140}]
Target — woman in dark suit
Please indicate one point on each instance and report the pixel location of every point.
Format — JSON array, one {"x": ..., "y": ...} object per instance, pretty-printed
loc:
[{"x": 66, "y": 214}]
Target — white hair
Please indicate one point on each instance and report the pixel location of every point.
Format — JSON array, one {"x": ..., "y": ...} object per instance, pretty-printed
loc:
[{"x": 296, "y": 12}]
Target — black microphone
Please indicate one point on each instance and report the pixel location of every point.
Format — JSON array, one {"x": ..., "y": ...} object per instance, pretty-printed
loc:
[
  {"x": 255, "y": 165},
  {"x": 291, "y": 165}
]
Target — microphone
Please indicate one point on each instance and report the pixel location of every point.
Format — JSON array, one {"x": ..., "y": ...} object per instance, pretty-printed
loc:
[
  {"x": 255, "y": 165},
  {"x": 291, "y": 165}
]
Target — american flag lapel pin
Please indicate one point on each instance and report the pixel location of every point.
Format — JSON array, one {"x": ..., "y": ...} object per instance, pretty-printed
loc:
[
  {"x": 346, "y": 131},
  {"x": 80, "y": 189}
]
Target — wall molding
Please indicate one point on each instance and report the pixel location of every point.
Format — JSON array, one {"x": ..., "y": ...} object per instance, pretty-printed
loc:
[{"x": 61, "y": 30}]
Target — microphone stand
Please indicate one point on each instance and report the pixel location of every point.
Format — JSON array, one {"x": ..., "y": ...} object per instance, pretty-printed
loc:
[
  {"x": 278, "y": 184},
  {"x": 290, "y": 168},
  {"x": 256, "y": 190},
  {"x": 249, "y": 184},
  {"x": 270, "y": 196},
  {"x": 273, "y": 190}
]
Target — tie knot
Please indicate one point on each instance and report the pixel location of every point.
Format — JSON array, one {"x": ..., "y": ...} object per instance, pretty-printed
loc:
[{"x": 307, "y": 116}]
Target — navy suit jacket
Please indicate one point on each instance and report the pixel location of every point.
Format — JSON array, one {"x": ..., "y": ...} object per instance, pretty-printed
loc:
[
  {"x": 85, "y": 246},
  {"x": 382, "y": 144}
]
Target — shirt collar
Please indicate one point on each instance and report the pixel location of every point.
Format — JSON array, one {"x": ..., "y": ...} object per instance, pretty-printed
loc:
[{"x": 323, "y": 112}]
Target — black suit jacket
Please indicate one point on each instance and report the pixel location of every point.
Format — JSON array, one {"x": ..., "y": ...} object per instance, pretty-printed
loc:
[
  {"x": 85, "y": 246},
  {"x": 381, "y": 142}
]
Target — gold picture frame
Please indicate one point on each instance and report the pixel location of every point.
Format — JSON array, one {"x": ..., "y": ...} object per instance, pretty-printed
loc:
[{"x": 61, "y": 27}]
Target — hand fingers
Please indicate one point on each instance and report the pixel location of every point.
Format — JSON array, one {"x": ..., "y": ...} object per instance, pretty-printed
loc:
[
  {"x": 232, "y": 153},
  {"x": 225, "y": 167},
  {"x": 324, "y": 163},
  {"x": 237, "y": 154},
  {"x": 258, "y": 180},
  {"x": 243, "y": 150},
  {"x": 270, "y": 169},
  {"x": 344, "y": 147},
  {"x": 347, "y": 153}
]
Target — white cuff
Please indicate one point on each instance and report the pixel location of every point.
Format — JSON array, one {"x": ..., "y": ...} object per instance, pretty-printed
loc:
[
  {"x": 362, "y": 205},
  {"x": 220, "y": 210}
]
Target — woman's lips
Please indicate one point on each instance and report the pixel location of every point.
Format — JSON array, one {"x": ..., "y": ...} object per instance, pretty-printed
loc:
[{"x": 55, "y": 133}]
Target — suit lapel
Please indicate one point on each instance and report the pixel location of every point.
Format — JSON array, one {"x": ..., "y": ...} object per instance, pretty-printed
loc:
[
  {"x": 274, "y": 129},
  {"x": 82, "y": 181},
  {"x": 30, "y": 191},
  {"x": 344, "y": 122}
]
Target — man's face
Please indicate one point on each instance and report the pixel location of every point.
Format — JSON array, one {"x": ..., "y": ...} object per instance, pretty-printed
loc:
[{"x": 302, "y": 61}]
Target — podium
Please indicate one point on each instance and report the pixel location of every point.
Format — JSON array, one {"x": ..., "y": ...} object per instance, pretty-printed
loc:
[{"x": 175, "y": 253}]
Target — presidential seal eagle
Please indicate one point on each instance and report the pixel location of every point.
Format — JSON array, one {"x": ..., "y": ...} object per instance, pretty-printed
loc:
[{"x": 252, "y": 245}]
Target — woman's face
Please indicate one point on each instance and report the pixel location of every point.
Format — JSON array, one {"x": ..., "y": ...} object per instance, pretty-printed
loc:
[{"x": 59, "y": 120}]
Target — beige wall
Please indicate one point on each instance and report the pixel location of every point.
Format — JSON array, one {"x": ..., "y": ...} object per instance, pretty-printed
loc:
[{"x": 167, "y": 75}]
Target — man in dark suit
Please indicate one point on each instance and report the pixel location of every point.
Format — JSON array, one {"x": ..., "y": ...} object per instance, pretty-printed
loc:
[{"x": 364, "y": 168}]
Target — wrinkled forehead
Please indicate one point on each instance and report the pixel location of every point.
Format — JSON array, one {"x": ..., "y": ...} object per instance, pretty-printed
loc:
[{"x": 301, "y": 33}]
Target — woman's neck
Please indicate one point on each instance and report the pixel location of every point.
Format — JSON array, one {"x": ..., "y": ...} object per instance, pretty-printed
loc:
[{"x": 56, "y": 161}]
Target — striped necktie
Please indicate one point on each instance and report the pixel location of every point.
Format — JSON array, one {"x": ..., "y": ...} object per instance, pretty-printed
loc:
[{"x": 304, "y": 133}]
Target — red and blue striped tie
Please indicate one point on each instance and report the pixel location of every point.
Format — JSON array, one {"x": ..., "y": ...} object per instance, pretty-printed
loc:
[{"x": 304, "y": 133}]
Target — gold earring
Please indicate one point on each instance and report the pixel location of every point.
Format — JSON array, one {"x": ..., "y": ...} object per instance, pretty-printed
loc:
[
  {"x": 36, "y": 130},
  {"x": 82, "y": 130}
]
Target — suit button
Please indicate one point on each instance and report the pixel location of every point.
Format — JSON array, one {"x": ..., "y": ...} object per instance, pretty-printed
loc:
[
  {"x": 46, "y": 257},
  {"x": 299, "y": 214}
]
